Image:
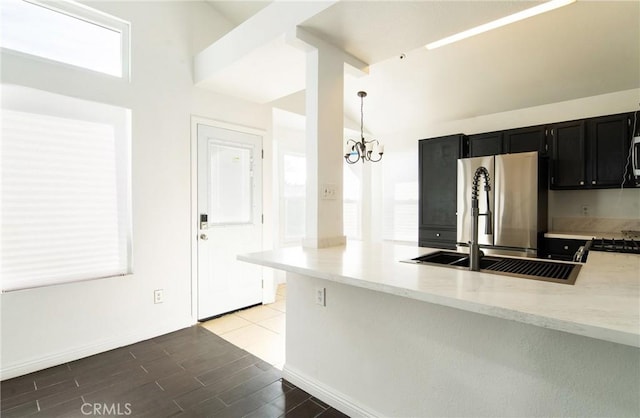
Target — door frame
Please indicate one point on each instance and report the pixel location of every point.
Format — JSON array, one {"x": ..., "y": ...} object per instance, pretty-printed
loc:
[{"x": 195, "y": 121}]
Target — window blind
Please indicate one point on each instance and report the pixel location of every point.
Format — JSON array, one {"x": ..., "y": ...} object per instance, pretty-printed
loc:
[{"x": 65, "y": 198}]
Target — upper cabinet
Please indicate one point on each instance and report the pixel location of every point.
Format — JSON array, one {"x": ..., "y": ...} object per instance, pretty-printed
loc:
[
  {"x": 481, "y": 145},
  {"x": 591, "y": 153},
  {"x": 527, "y": 139},
  {"x": 608, "y": 138},
  {"x": 568, "y": 155}
]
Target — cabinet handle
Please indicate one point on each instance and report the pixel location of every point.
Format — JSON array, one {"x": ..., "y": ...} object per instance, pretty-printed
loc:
[
  {"x": 438, "y": 234},
  {"x": 581, "y": 183},
  {"x": 566, "y": 247},
  {"x": 593, "y": 182}
]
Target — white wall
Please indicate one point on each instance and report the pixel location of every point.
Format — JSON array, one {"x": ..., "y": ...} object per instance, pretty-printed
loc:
[
  {"x": 416, "y": 359},
  {"x": 47, "y": 326},
  {"x": 402, "y": 149}
]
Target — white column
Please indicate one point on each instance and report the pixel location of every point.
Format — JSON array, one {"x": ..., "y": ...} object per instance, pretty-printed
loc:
[
  {"x": 324, "y": 148},
  {"x": 325, "y": 69}
]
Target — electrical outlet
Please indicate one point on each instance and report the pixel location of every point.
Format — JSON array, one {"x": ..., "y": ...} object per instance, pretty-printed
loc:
[
  {"x": 321, "y": 294},
  {"x": 158, "y": 296},
  {"x": 585, "y": 210}
]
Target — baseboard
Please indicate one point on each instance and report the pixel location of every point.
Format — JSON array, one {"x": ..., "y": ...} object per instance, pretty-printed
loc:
[
  {"x": 75, "y": 353},
  {"x": 338, "y": 400}
]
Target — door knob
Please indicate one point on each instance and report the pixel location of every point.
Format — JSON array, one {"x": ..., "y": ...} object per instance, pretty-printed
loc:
[{"x": 204, "y": 237}]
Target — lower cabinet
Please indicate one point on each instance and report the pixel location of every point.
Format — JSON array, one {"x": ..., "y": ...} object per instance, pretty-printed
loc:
[{"x": 560, "y": 248}]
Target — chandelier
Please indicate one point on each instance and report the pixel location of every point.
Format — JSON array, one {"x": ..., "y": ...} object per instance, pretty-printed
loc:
[{"x": 363, "y": 150}]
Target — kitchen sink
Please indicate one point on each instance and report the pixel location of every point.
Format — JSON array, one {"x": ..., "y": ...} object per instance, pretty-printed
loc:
[{"x": 550, "y": 271}]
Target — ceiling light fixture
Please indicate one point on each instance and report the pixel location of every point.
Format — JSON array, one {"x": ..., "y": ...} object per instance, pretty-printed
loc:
[
  {"x": 542, "y": 8},
  {"x": 355, "y": 151}
]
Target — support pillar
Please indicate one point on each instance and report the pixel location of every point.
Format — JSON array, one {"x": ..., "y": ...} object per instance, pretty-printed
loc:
[
  {"x": 325, "y": 69},
  {"x": 324, "y": 148}
]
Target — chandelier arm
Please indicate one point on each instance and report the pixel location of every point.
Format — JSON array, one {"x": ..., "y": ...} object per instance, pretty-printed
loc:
[
  {"x": 356, "y": 147},
  {"x": 379, "y": 158}
]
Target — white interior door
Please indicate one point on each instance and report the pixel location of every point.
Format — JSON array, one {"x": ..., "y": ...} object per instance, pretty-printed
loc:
[{"x": 229, "y": 219}]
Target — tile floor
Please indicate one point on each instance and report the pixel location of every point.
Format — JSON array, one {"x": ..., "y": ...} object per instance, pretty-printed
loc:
[
  {"x": 259, "y": 330},
  {"x": 187, "y": 373}
]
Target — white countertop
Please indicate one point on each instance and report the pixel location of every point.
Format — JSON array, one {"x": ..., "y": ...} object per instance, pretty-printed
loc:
[
  {"x": 604, "y": 303},
  {"x": 584, "y": 235}
]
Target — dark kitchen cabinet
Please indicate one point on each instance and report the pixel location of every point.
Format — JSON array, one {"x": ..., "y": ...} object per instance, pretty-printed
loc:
[
  {"x": 608, "y": 140},
  {"x": 561, "y": 248},
  {"x": 528, "y": 139},
  {"x": 568, "y": 155},
  {"x": 481, "y": 145},
  {"x": 437, "y": 190},
  {"x": 591, "y": 153}
]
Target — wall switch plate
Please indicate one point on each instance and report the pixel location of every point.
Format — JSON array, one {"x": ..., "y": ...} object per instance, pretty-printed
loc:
[
  {"x": 321, "y": 294},
  {"x": 585, "y": 210},
  {"x": 158, "y": 296},
  {"x": 328, "y": 191}
]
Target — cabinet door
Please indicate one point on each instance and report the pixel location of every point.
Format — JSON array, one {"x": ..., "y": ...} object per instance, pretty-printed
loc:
[
  {"x": 438, "y": 181},
  {"x": 525, "y": 140},
  {"x": 481, "y": 145},
  {"x": 568, "y": 161},
  {"x": 608, "y": 138}
]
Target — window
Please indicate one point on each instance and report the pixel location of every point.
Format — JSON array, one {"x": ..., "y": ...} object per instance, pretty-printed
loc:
[
  {"x": 294, "y": 189},
  {"x": 65, "y": 201},
  {"x": 352, "y": 200},
  {"x": 66, "y": 32},
  {"x": 400, "y": 202},
  {"x": 231, "y": 183}
]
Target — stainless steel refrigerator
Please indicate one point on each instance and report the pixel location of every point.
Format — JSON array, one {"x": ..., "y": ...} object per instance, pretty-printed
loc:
[{"x": 517, "y": 199}]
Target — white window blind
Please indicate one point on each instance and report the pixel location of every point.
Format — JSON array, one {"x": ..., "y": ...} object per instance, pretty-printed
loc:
[
  {"x": 294, "y": 180},
  {"x": 352, "y": 201},
  {"x": 65, "y": 198}
]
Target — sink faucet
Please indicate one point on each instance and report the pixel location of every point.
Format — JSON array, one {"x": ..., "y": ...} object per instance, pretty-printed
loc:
[{"x": 474, "y": 248}]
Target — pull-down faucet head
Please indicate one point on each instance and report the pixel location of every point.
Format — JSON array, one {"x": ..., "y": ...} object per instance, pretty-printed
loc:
[
  {"x": 482, "y": 171},
  {"x": 474, "y": 247}
]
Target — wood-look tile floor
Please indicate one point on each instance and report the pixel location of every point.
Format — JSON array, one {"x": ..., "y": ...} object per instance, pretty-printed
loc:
[{"x": 187, "y": 373}]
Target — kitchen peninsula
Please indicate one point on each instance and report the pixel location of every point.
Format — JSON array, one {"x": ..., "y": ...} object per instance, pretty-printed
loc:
[{"x": 398, "y": 339}]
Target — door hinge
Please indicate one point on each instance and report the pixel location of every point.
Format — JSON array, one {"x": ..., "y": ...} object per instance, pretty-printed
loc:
[
  {"x": 262, "y": 218},
  {"x": 262, "y": 284},
  {"x": 262, "y": 154}
]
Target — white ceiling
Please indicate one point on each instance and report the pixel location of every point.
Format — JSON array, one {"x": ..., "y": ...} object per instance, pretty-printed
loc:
[{"x": 584, "y": 49}]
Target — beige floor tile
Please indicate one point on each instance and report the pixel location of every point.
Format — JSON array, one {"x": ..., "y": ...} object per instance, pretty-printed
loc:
[
  {"x": 280, "y": 298},
  {"x": 279, "y": 305},
  {"x": 270, "y": 350},
  {"x": 276, "y": 324},
  {"x": 251, "y": 335},
  {"x": 259, "y": 313},
  {"x": 225, "y": 324},
  {"x": 282, "y": 290}
]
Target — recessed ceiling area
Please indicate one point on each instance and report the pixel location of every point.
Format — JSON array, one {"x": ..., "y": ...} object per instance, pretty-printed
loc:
[{"x": 584, "y": 49}]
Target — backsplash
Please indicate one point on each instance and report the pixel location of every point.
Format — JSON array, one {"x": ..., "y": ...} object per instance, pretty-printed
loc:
[
  {"x": 594, "y": 225},
  {"x": 607, "y": 210}
]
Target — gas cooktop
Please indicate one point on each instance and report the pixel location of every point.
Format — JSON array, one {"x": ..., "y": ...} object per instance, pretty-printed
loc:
[{"x": 630, "y": 246}]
